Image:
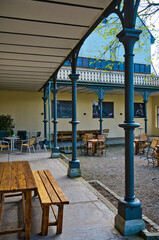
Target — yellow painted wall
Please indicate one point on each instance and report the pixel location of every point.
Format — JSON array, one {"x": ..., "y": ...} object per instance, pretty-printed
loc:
[
  {"x": 26, "y": 108},
  {"x": 155, "y": 104}
]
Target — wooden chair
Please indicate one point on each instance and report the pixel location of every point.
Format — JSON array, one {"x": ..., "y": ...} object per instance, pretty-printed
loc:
[
  {"x": 29, "y": 144},
  {"x": 151, "y": 152},
  {"x": 143, "y": 138},
  {"x": 85, "y": 146},
  {"x": 4, "y": 144},
  {"x": 101, "y": 146}
]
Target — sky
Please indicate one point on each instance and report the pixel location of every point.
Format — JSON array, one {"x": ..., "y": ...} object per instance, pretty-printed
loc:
[{"x": 154, "y": 47}]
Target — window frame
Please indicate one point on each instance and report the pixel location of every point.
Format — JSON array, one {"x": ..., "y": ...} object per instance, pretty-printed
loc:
[
  {"x": 139, "y": 109},
  {"x": 59, "y": 111},
  {"x": 96, "y": 103}
]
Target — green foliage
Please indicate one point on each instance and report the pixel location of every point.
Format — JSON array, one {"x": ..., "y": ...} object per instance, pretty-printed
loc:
[
  {"x": 113, "y": 26},
  {"x": 7, "y": 123}
]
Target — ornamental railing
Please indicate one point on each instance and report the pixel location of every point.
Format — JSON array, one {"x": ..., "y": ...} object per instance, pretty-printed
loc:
[{"x": 112, "y": 77}]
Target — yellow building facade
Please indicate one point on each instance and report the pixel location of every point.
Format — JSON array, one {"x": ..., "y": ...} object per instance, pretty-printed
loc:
[{"x": 26, "y": 109}]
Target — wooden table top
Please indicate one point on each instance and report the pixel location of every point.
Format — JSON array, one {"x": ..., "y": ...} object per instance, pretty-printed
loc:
[
  {"x": 95, "y": 140},
  {"x": 16, "y": 176}
]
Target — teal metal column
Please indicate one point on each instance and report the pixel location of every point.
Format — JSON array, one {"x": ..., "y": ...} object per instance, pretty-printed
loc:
[
  {"x": 45, "y": 115},
  {"x": 129, "y": 218},
  {"x": 74, "y": 165},
  {"x": 55, "y": 150},
  {"x": 49, "y": 108},
  {"x": 145, "y": 102},
  {"x": 100, "y": 98},
  {"x": 101, "y": 120}
]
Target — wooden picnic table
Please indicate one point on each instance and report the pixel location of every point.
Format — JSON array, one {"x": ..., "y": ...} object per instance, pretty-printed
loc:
[{"x": 16, "y": 177}]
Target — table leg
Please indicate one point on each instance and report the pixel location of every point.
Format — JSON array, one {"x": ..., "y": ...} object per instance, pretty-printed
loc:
[
  {"x": 136, "y": 148},
  {"x": 93, "y": 147},
  {"x": 28, "y": 214},
  {"x": 11, "y": 143}
]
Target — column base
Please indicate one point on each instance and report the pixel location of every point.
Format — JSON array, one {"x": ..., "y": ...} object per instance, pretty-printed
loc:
[
  {"x": 55, "y": 153},
  {"x": 128, "y": 227},
  {"x": 129, "y": 218},
  {"x": 74, "y": 169}
]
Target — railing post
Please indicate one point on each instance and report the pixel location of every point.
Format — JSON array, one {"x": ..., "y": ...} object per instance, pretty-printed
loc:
[
  {"x": 45, "y": 109},
  {"x": 129, "y": 218},
  {"x": 55, "y": 150}
]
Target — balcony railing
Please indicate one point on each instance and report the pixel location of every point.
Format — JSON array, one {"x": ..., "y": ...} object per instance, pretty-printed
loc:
[{"x": 95, "y": 76}]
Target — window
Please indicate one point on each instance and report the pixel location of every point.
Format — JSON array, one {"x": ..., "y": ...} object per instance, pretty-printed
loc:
[
  {"x": 158, "y": 117},
  {"x": 107, "y": 111},
  {"x": 139, "y": 110},
  {"x": 64, "y": 109}
]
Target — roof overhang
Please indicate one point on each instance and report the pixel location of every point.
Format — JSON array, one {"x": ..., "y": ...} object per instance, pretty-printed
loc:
[{"x": 37, "y": 36}]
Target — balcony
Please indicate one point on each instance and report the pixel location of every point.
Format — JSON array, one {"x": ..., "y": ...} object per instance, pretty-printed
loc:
[{"x": 113, "y": 77}]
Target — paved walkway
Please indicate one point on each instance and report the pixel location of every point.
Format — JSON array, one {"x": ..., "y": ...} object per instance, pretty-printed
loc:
[{"x": 86, "y": 217}]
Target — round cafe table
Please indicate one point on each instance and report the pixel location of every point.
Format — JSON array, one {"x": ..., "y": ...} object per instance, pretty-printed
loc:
[{"x": 12, "y": 139}]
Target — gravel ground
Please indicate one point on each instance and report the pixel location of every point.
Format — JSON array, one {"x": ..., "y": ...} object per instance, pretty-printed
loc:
[{"x": 110, "y": 170}]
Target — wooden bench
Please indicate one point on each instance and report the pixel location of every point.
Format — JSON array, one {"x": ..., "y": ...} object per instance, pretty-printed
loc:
[{"x": 50, "y": 194}]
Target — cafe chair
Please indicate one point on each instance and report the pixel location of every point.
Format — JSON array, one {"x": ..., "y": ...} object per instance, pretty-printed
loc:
[
  {"x": 29, "y": 144},
  {"x": 144, "y": 142},
  {"x": 85, "y": 146},
  {"x": 42, "y": 144},
  {"x": 101, "y": 146},
  {"x": 151, "y": 152},
  {"x": 4, "y": 145}
]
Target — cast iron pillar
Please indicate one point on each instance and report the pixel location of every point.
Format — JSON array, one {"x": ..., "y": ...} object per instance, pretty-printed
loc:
[
  {"x": 101, "y": 115},
  {"x": 55, "y": 150},
  {"x": 145, "y": 105},
  {"x": 100, "y": 98},
  {"x": 45, "y": 107},
  {"x": 129, "y": 218},
  {"x": 74, "y": 164},
  {"x": 49, "y": 109}
]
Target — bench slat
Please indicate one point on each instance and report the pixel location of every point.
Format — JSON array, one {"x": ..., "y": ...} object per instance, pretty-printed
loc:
[
  {"x": 6, "y": 178},
  {"x": 15, "y": 176},
  {"x": 44, "y": 198},
  {"x": 50, "y": 190},
  {"x": 56, "y": 187}
]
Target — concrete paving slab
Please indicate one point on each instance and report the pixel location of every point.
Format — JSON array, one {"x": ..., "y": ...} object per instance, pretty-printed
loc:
[{"x": 86, "y": 217}]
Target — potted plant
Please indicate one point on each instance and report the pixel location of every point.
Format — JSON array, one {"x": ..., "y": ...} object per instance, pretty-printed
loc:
[{"x": 7, "y": 124}]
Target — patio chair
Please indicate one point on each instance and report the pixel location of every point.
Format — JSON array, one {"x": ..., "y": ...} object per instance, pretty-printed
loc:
[
  {"x": 101, "y": 146},
  {"x": 86, "y": 147},
  {"x": 42, "y": 144},
  {"x": 4, "y": 144},
  {"x": 151, "y": 152},
  {"x": 29, "y": 144},
  {"x": 144, "y": 142}
]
